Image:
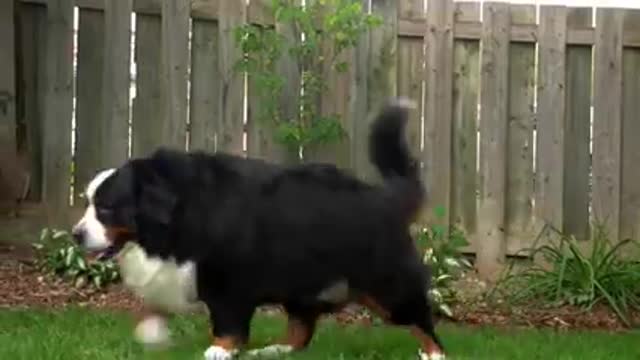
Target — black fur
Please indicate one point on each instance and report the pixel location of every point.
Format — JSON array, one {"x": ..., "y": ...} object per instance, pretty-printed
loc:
[{"x": 262, "y": 233}]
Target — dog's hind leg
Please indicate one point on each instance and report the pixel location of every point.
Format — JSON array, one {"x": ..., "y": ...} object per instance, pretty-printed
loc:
[
  {"x": 412, "y": 312},
  {"x": 301, "y": 325}
]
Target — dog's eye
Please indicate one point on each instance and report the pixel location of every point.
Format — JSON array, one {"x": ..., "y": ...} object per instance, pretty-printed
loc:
[{"x": 104, "y": 212}]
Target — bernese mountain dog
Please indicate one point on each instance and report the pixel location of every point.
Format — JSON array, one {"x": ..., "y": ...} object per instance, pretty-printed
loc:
[{"x": 234, "y": 233}]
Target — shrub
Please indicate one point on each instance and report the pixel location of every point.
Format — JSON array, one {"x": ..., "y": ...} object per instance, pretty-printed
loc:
[
  {"x": 60, "y": 256},
  {"x": 323, "y": 31},
  {"x": 562, "y": 273},
  {"x": 443, "y": 253}
]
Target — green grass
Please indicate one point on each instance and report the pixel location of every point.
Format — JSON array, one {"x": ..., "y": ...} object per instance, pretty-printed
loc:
[{"x": 83, "y": 334}]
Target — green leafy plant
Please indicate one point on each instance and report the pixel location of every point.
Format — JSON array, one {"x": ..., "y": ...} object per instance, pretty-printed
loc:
[
  {"x": 442, "y": 247},
  {"x": 60, "y": 256},
  {"x": 562, "y": 273},
  {"x": 322, "y": 31}
]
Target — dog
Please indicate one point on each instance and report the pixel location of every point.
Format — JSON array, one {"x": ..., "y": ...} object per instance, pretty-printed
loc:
[{"x": 236, "y": 233}]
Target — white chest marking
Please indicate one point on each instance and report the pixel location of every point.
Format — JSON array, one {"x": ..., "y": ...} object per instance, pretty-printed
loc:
[{"x": 162, "y": 283}]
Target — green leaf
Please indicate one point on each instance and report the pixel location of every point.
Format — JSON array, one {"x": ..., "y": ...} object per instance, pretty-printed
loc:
[
  {"x": 44, "y": 235},
  {"x": 80, "y": 282},
  {"x": 445, "y": 309},
  {"x": 57, "y": 234},
  {"x": 69, "y": 256},
  {"x": 81, "y": 263},
  {"x": 440, "y": 211},
  {"x": 97, "y": 281}
]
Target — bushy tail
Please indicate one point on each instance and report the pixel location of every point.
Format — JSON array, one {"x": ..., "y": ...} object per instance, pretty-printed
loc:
[{"x": 389, "y": 152}]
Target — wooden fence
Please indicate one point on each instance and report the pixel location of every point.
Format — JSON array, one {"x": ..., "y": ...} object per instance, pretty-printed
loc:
[{"x": 525, "y": 117}]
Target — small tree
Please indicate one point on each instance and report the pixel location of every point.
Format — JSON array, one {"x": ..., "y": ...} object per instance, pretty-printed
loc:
[{"x": 323, "y": 31}]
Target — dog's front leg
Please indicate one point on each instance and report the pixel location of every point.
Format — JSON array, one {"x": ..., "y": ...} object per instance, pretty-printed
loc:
[
  {"x": 231, "y": 331},
  {"x": 151, "y": 327}
]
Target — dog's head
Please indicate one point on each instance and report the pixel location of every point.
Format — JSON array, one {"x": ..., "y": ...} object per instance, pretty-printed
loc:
[{"x": 132, "y": 203}]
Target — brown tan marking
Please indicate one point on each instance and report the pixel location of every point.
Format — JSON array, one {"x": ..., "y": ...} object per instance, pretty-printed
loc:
[
  {"x": 228, "y": 343},
  {"x": 118, "y": 234},
  {"x": 427, "y": 343},
  {"x": 299, "y": 333},
  {"x": 371, "y": 304}
]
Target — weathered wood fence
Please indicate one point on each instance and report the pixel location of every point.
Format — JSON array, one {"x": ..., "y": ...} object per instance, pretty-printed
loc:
[{"x": 525, "y": 117}]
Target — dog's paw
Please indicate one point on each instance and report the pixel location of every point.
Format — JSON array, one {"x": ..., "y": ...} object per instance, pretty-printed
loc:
[
  {"x": 218, "y": 353},
  {"x": 270, "y": 351},
  {"x": 433, "y": 356},
  {"x": 152, "y": 331}
]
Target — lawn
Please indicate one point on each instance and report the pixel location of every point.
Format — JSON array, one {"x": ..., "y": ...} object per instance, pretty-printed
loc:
[{"x": 84, "y": 334}]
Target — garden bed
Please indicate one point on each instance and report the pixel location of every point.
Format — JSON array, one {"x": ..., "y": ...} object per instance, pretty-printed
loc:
[{"x": 22, "y": 286}]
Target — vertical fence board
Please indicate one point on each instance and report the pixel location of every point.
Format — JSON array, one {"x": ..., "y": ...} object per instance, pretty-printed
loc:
[
  {"x": 519, "y": 194},
  {"x": 411, "y": 71},
  {"x": 607, "y": 124},
  {"x": 382, "y": 68},
  {"x": 438, "y": 105},
  {"x": 116, "y": 82},
  {"x": 58, "y": 110},
  {"x": 578, "y": 131},
  {"x": 175, "y": 68},
  {"x": 8, "y": 93},
  {"x": 33, "y": 46},
  {"x": 630, "y": 198},
  {"x": 335, "y": 103},
  {"x": 383, "y": 54},
  {"x": 231, "y": 124},
  {"x": 549, "y": 184},
  {"x": 494, "y": 92},
  {"x": 90, "y": 140},
  {"x": 261, "y": 141},
  {"x": 466, "y": 86},
  {"x": 260, "y": 131},
  {"x": 147, "y": 122},
  {"x": 359, "y": 103},
  {"x": 204, "y": 109},
  {"x": 335, "y": 100}
]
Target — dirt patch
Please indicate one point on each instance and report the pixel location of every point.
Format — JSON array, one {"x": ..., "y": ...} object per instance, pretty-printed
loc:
[{"x": 22, "y": 285}]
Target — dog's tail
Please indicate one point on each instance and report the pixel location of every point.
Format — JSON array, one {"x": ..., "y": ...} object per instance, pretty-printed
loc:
[{"x": 389, "y": 152}]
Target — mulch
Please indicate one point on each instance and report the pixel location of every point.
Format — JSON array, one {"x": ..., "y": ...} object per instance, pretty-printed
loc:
[{"x": 22, "y": 285}]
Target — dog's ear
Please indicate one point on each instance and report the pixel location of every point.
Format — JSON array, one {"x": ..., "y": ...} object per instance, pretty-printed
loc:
[
  {"x": 156, "y": 200},
  {"x": 157, "y": 203}
]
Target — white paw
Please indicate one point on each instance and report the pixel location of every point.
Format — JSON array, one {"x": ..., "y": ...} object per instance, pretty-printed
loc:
[
  {"x": 270, "y": 351},
  {"x": 152, "y": 331},
  {"x": 218, "y": 353},
  {"x": 433, "y": 356}
]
